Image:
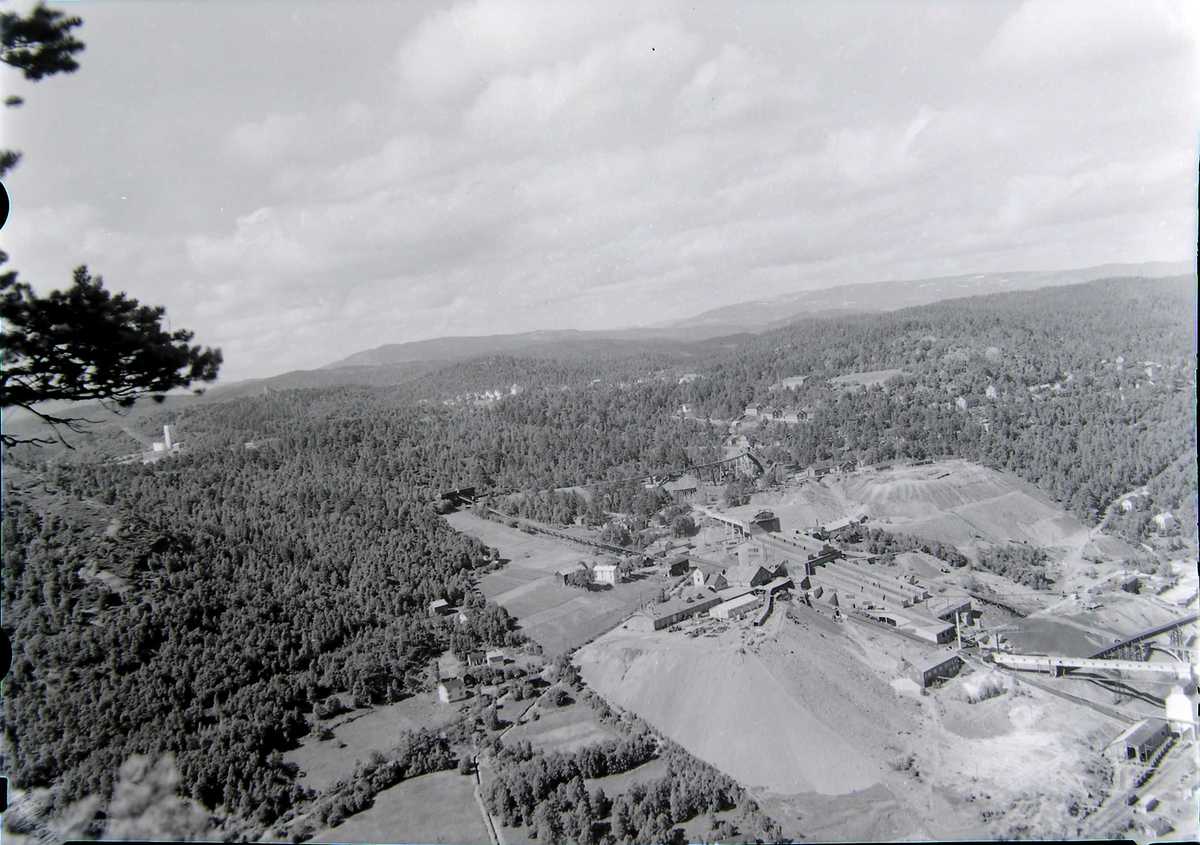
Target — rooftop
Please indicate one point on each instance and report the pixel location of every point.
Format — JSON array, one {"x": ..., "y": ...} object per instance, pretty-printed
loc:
[
  {"x": 935, "y": 660},
  {"x": 748, "y": 598}
]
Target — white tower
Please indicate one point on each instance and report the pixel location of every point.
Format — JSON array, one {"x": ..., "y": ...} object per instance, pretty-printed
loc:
[
  {"x": 1181, "y": 713},
  {"x": 168, "y": 436}
]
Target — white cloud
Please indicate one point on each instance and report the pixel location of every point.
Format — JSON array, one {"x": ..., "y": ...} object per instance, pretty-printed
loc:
[{"x": 516, "y": 165}]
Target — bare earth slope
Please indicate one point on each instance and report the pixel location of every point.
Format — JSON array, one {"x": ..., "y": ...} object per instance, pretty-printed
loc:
[
  {"x": 814, "y": 718},
  {"x": 773, "y": 716}
]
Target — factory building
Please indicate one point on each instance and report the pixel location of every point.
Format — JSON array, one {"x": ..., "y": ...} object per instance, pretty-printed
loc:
[
  {"x": 664, "y": 615},
  {"x": 935, "y": 668},
  {"x": 1140, "y": 741},
  {"x": 738, "y": 607}
]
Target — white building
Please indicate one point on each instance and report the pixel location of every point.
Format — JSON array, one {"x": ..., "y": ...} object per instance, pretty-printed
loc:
[
  {"x": 1181, "y": 713},
  {"x": 1164, "y": 521},
  {"x": 605, "y": 573},
  {"x": 169, "y": 437}
]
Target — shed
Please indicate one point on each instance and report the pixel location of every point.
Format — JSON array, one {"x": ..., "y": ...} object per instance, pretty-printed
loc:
[{"x": 439, "y": 607}]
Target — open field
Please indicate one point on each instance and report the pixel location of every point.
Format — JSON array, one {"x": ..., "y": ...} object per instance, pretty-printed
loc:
[
  {"x": 364, "y": 731},
  {"x": 561, "y": 728},
  {"x": 804, "y": 713},
  {"x": 436, "y": 808},
  {"x": 865, "y": 379},
  {"x": 556, "y": 616}
]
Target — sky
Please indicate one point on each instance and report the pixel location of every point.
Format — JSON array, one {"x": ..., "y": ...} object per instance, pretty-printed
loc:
[{"x": 298, "y": 181}]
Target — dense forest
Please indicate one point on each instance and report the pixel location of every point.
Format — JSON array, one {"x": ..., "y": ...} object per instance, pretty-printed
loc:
[
  {"x": 1086, "y": 391},
  {"x": 247, "y": 585}
]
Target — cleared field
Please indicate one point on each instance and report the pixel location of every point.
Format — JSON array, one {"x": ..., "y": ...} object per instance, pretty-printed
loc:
[
  {"x": 561, "y": 729},
  {"x": 806, "y": 716},
  {"x": 362, "y": 732},
  {"x": 556, "y": 616},
  {"x": 436, "y": 808},
  {"x": 865, "y": 379},
  {"x": 534, "y": 552}
]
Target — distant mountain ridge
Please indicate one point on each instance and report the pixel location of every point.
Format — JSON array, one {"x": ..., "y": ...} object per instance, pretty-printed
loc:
[
  {"x": 730, "y": 321},
  {"x": 893, "y": 295}
]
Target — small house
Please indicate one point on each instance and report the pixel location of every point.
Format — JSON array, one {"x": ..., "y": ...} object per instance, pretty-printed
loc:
[
  {"x": 605, "y": 573},
  {"x": 495, "y": 657},
  {"x": 440, "y": 607},
  {"x": 450, "y": 690}
]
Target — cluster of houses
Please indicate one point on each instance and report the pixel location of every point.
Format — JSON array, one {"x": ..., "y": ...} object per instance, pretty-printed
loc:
[
  {"x": 772, "y": 413},
  {"x": 457, "y": 687}
]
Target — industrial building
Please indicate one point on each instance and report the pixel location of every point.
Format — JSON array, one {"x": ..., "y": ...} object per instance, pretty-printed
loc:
[
  {"x": 935, "y": 668},
  {"x": 738, "y": 607},
  {"x": 1140, "y": 741},
  {"x": 948, "y": 608},
  {"x": 664, "y": 615}
]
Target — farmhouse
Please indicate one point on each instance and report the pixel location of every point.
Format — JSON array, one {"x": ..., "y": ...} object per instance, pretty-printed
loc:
[
  {"x": 936, "y": 667},
  {"x": 737, "y": 608},
  {"x": 664, "y": 615},
  {"x": 605, "y": 573},
  {"x": 1140, "y": 741},
  {"x": 450, "y": 690},
  {"x": 495, "y": 657}
]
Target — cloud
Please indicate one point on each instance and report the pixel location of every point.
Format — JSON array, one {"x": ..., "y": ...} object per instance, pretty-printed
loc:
[
  {"x": 1082, "y": 34},
  {"x": 303, "y": 135},
  {"x": 454, "y": 52},
  {"x": 509, "y": 165}
]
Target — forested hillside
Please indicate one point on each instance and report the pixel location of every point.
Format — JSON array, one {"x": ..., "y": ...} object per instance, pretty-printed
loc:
[
  {"x": 1092, "y": 388},
  {"x": 252, "y": 582}
]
